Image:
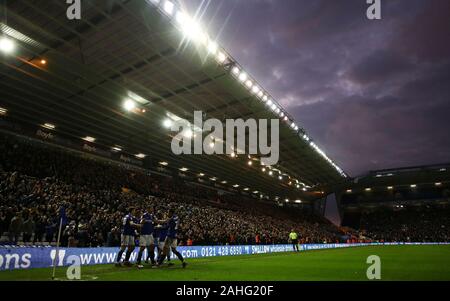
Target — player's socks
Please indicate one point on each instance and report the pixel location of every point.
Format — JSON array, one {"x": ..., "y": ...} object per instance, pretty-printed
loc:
[
  {"x": 119, "y": 256},
  {"x": 151, "y": 255},
  {"x": 161, "y": 259},
  {"x": 139, "y": 257},
  {"x": 127, "y": 256},
  {"x": 178, "y": 254}
]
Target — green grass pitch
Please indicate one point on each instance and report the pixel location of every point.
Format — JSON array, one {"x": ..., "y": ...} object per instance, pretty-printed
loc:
[{"x": 397, "y": 263}]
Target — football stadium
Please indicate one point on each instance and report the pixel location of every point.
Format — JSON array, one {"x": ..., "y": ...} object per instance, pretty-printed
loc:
[{"x": 135, "y": 147}]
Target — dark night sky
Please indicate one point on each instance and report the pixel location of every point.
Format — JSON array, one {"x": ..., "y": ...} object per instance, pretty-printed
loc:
[{"x": 372, "y": 94}]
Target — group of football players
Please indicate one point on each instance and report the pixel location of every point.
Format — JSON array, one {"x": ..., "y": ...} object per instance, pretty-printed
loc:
[{"x": 154, "y": 234}]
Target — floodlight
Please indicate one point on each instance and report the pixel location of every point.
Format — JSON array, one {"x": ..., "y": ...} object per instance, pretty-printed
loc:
[
  {"x": 249, "y": 83},
  {"x": 129, "y": 105},
  {"x": 7, "y": 45},
  {"x": 169, "y": 7},
  {"x": 89, "y": 139},
  {"x": 243, "y": 77},
  {"x": 49, "y": 126},
  {"x": 141, "y": 156},
  {"x": 212, "y": 47},
  {"x": 221, "y": 57},
  {"x": 188, "y": 133},
  {"x": 168, "y": 123}
]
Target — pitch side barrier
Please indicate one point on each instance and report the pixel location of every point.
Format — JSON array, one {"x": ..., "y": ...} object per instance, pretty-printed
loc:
[{"x": 13, "y": 257}]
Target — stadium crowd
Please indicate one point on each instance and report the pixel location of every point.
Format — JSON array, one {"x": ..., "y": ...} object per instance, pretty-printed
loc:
[
  {"x": 427, "y": 224},
  {"x": 36, "y": 179}
]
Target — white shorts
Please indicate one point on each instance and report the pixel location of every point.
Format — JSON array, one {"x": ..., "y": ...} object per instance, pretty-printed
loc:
[
  {"x": 171, "y": 242},
  {"x": 127, "y": 240},
  {"x": 146, "y": 240}
]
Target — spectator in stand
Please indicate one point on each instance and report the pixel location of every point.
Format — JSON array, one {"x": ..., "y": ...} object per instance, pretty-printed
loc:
[
  {"x": 28, "y": 228},
  {"x": 15, "y": 228}
]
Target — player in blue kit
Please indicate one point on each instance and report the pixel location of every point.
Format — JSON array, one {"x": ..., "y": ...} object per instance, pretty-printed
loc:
[
  {"x": 162, "y": 234},
  {"x": 129, "y": 224},
  {"x": 171, "y": 242},
  {"x": 146, "y": 239}
]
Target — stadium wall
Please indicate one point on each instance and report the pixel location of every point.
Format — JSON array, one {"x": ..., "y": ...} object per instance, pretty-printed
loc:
[{"x": 13, "y": 258}]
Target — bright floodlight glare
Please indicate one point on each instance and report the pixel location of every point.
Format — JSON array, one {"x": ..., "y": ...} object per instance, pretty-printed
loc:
[
  {"x": 273, "y": 107},
  {"x": 221, "y": 57},
  {"x": 270, "y": 173},
  {"x": 193, "y": 30},
  {"x": 129, "y": 105},
  {"x": 212, "y": 47},
  {"x": 141, "y": 156},
  {"x": 250, "y": 163},
  {"x": 188, "y": 134},
  {"x": 6, "y": 45},
  {"x": 89, "y": 139},
  {"x": 167, "y": 123},
  {"x": 243, "y": 77},
  {"x": 49, "y": 126},
  {"x": 180, "y": 18},
  {"x": 249, "y": 83},
  {"x": 255, "y": 89},
  {"x": 236, "y": 70},
  {"x": 233, "y": 155},
  {"x": 269, "y": 103},
  {"x": 169, "y": 7}
]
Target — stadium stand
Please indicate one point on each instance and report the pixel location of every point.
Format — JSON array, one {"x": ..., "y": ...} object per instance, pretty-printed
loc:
[{"x": 36, "y": 179}]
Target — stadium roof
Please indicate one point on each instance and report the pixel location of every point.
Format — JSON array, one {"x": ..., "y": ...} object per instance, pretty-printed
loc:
[{"x": 74, "y": 76}]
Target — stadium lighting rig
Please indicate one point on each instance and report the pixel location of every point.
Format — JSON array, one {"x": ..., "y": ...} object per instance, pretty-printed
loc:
[
  {"x": 140, "y": 156},
  {"x": 193, "y": 31}
]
